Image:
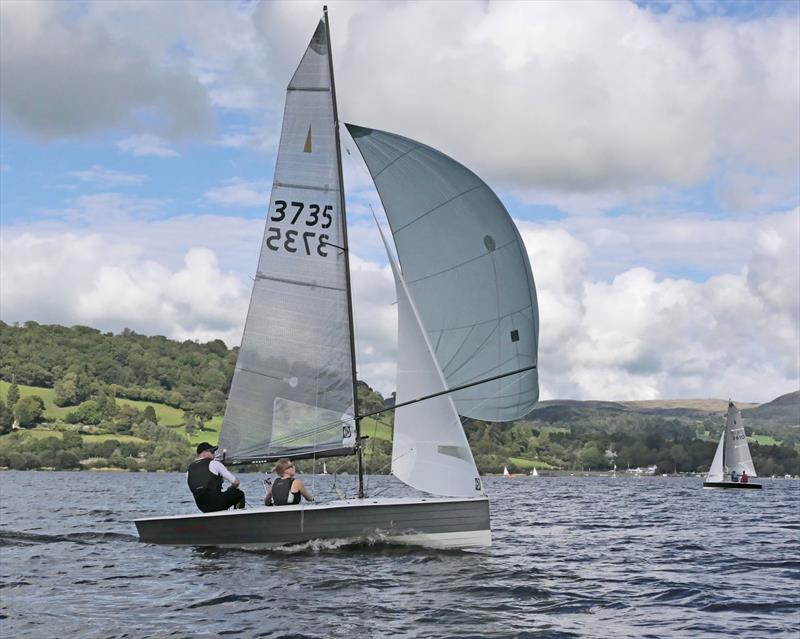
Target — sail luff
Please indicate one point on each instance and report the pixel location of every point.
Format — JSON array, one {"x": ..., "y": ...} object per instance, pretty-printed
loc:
[
  {"x": 716, "y": 472},
  {"x": 346, "y": 248}
]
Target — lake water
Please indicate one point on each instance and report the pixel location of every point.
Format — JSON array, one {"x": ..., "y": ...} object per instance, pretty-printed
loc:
[{"x": 571, "y": 557}]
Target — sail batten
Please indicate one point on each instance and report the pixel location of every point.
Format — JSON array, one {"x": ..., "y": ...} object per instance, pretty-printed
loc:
[{"x": 466, "y": 268}]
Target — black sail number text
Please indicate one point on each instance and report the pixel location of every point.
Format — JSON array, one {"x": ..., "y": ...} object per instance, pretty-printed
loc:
[
  {"x": 312, "y": 217},
  {"x": 299, "y": 240},
  {"x": 292, "y": 241}
]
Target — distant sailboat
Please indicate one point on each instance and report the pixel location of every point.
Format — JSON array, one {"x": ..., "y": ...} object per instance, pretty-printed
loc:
[
  {"x": 324, "y": 469},
  {"x": 732, "y": 460},
  {"x": 505, "y": 472},
  {"x": 534, "y": 473}
]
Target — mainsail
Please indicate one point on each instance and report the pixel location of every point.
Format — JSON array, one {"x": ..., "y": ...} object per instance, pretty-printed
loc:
[
  {"x": 430, "y": 451},
  {"x": 737, "y": 452},
  {"x": 293, "y": 389},
  {"x": 466, "y": 269}
]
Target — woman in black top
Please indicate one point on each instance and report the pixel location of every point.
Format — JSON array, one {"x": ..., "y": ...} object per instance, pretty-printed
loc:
[{"x": 286, "y": 490}]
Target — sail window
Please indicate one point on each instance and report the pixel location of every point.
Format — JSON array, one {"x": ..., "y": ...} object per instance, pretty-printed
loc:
[{"x": 515, "y": 335}]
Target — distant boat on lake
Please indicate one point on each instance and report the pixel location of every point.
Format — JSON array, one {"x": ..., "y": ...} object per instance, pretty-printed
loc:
[
  {"x": 732, "y": 466},
  {"x": 534, "y": 473}
]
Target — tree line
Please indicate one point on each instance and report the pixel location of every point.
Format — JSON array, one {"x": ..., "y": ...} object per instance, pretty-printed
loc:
[
  {"x": 88, "y": 370},
  {"x": 77, "y": 362}
]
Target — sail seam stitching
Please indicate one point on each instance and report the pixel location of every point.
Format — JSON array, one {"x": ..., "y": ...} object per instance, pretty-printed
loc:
[
  {"x": 399, "y": 157},
  {"x": 438, "y": 206},
  {"x": 460, "y": 264}
]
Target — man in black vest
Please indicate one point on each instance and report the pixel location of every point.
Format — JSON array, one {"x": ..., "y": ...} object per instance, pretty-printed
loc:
[{"x": 205, "y": 477}]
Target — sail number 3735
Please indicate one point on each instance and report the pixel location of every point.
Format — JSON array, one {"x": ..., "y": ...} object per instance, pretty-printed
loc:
[{"x": 300, "y": 239}]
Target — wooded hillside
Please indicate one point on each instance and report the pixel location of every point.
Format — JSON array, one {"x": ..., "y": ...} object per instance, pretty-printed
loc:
[{"x": 72, "y": 390}]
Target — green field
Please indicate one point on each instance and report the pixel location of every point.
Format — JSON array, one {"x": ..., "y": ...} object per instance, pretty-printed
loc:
[
  {"x": 528, "y": 464},
  {"x": 167, "y": 415},
  {"x": 376, "y": 430},
  {"x": 210, "y": 432},
  {"x": 764, "y": 440},
  {"x": 42, "y": 433}
]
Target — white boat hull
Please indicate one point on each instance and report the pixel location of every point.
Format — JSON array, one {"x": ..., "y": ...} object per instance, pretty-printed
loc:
[{"x": 433, "y": 523}]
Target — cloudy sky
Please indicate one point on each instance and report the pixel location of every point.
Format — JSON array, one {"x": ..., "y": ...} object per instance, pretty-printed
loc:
[{"x": 649, "y": 153}]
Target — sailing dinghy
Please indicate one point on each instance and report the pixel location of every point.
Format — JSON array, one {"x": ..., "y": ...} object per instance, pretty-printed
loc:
[
  {"x": 732, "y": 456},
  {"x": 467, "y": 336}
]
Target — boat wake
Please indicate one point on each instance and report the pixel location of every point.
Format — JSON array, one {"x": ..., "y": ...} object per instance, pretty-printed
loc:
[{"x": 18, "y": 538}]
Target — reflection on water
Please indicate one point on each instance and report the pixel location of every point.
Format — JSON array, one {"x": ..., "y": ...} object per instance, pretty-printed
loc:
[{"x": 572, "y": 557}]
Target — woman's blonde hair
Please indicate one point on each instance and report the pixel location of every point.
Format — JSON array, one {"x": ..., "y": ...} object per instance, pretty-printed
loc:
[{"x": 281, "y": 466}]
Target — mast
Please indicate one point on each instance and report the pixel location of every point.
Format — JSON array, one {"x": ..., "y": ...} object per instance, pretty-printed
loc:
[
  {"x": 725, "y": 442},
  {"x": 346, "y": 259}
]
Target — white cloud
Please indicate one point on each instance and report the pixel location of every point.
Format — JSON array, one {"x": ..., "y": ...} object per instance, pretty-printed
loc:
[
  {"x": 639, "y": 336},
  {"x": 602, "y": 97},
  {"x": 634, "y": 336},
  {"x": 104, "y": 209},
  {"x": 84, "y": 279},
  {"x": 241, "y": 193},
  {"x": 773, "y": 271},
  {"x": 66, "y": 73},
  {"x": 585, "y": 106},
  {"x": 684, "y": 245},
  {"x": 571, "y": 96},
  {"x": 107, "y": 177},
  {"x": 259, "y": 139},
  {"x": 146, "y": 145}
]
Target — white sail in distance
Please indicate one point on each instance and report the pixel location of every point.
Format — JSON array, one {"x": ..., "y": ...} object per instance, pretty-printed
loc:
[
  {"x": 737, "y": 452},
  {"x": 717, "y": 472}
]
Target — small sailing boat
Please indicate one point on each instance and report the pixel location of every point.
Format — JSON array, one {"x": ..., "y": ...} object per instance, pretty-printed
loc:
[
  {"x": 324, "y": 469},
  {"x": 732, "y": 466},
  {"x": 534, "y": 473},
  {"x": 467, "y": 336}
]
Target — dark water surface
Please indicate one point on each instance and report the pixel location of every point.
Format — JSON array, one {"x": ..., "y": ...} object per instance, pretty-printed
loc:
[{"x": 572, "y": 557}]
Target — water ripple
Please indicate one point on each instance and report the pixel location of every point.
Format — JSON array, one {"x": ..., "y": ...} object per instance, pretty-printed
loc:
[{"x": 572, "y": 557}]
